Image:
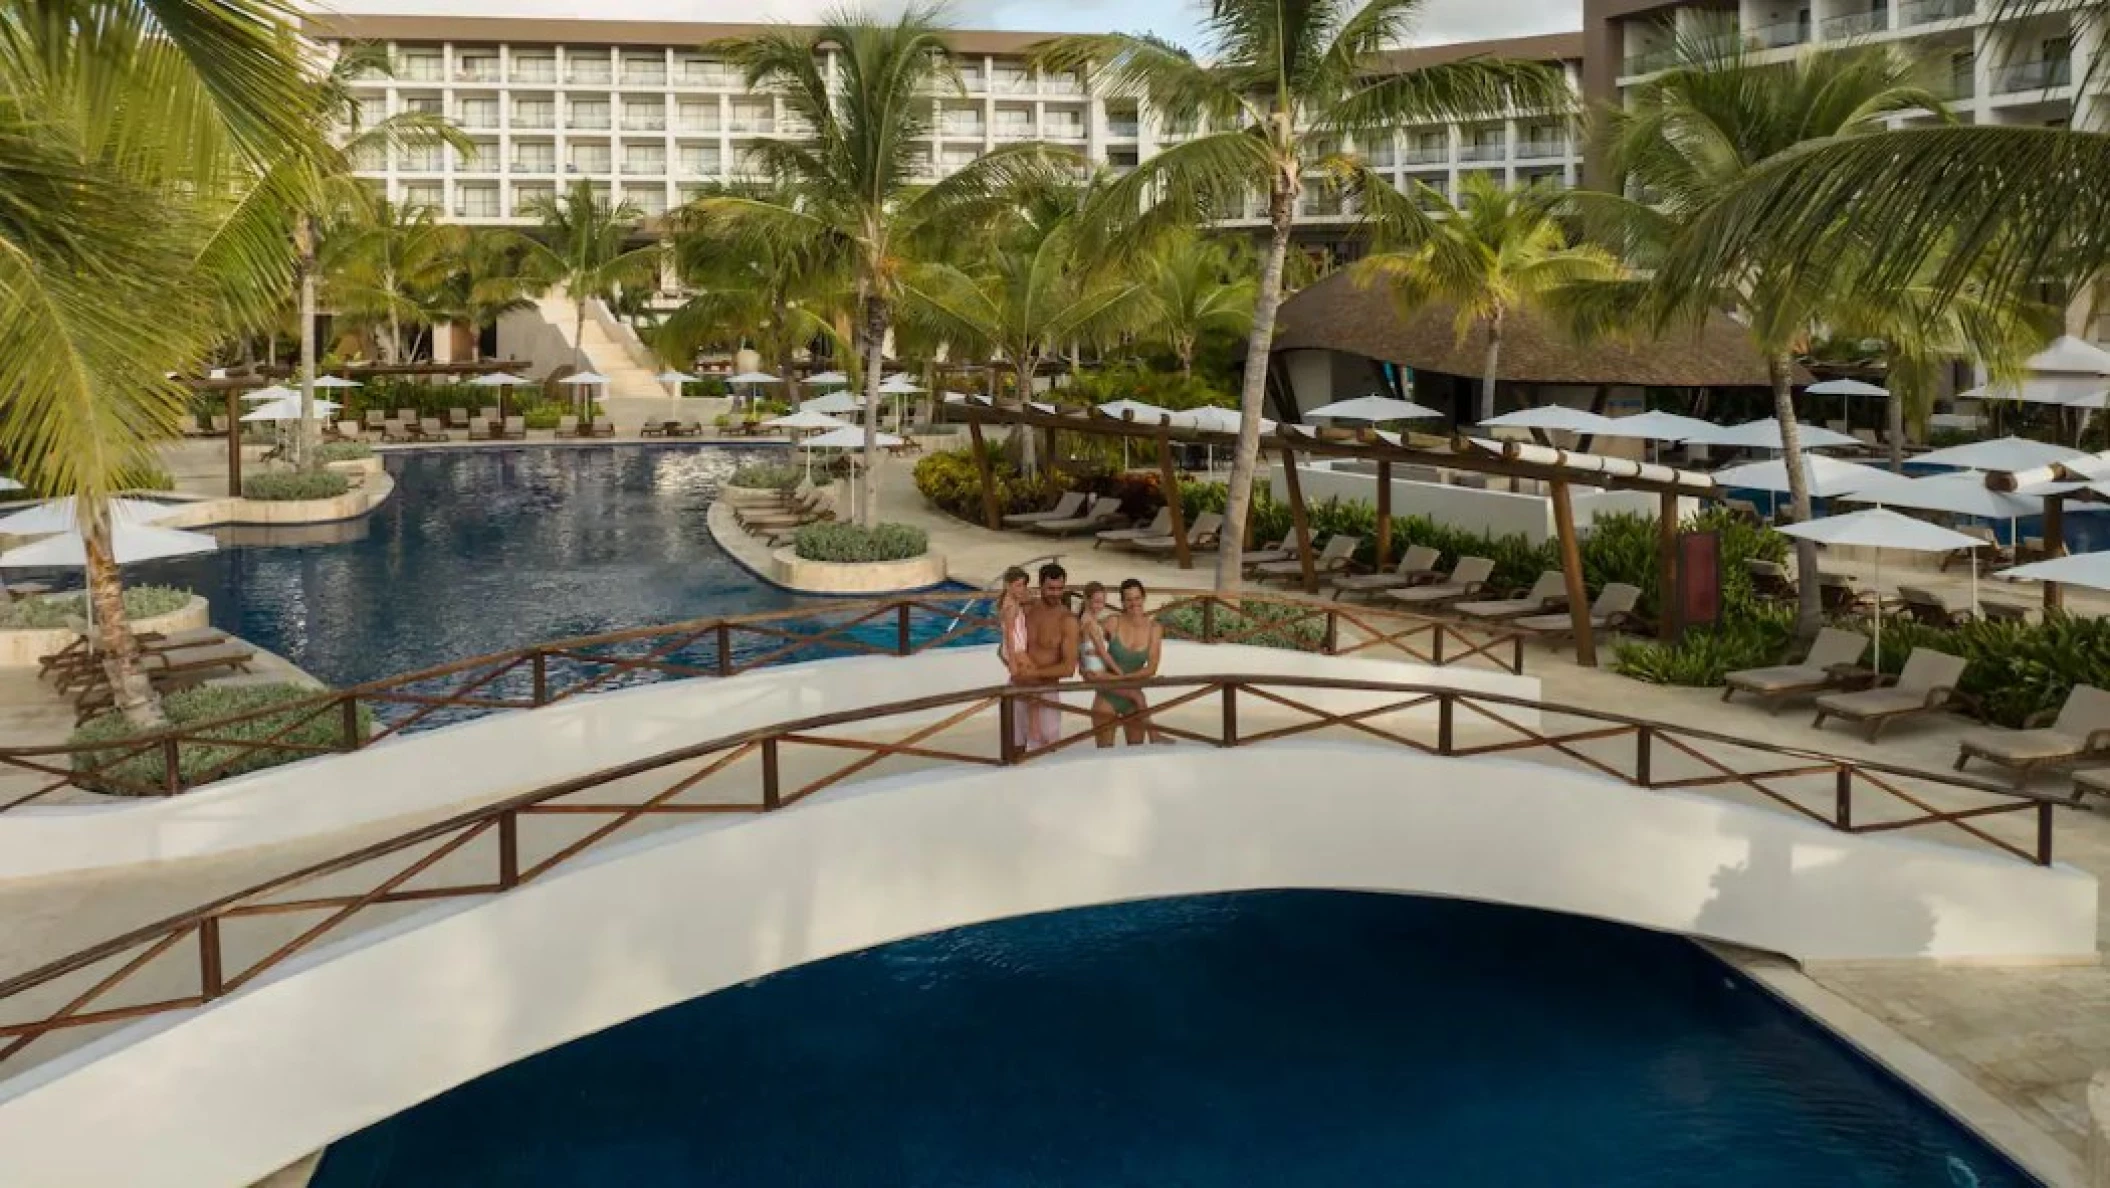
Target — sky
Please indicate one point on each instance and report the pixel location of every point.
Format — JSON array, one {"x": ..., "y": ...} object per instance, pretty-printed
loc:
[{"x": 1442, "y": 20}]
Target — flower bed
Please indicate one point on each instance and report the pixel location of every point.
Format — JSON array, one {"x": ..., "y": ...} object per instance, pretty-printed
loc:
[
  {"x": 295, "y": 486},
  {"x": 853, "y": 544}
]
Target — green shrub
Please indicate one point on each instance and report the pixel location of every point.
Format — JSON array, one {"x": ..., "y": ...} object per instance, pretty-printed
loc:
[
  {"x": 288, "y": 485},
  {"x": 141, "y": 602},
  {"x": 207, "y": 703},
  {"x": 762, "y": 475},
  {"x": 343, "y": 451},
  {"x": 1704, "y": 656},
  {"x": 1273, "y": 625},
  {"x": 2016, "y": 669},
  {"x": 950, "y": 481},
  {"x": 541, "y": 418},
  {"x": 855, "y": 543}
]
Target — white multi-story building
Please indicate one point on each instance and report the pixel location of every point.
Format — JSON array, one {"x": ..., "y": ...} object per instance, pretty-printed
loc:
[{"x": 641, "y": 113}]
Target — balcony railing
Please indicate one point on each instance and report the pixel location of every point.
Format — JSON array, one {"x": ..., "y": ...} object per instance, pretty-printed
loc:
[
  {"x": 1538, "y": 149},
  {"x": 588, "y": 119},
  {"x": 1064, "y": 131},
  {"x": 477, "y": 117},
  {"x": 534, "y": 119},
  {"x": 1649, "y": 61},
  {"x": 534, "y": 72},
  {"x": 481, "y": 71},
  {"x": 635, "y": 76},
  {"x": 706, "y": 77},
  {"x": 752, "y": 124},
  {"x": 1926, "y": 12},
  {"x": 646, "y": 167},
  {"x": 533, "y": 165},
  {"x": 1014, "y": 131},
  {"x": 1062, "y": 84},
  {"x": 1384, "y": 158},
  {"x": 418, "y": 165},
  {"x": 477, "y": 210},
  {"x": 644, "y": 121},
  {"x": 595, "y": 166},
  {"x": 962, "y": 131},
  {"x": 1856, "y": 24},
  {"x": 1958, "y": 85},
  {"x": 1425, "y": 154},
  {"x": 420, "y": 70},
  {"x": 1005, "y": 84},
  {"x": 697, "y": 125},
  {"x": 2039, "y": 75},
  {"x": 1777, "y": 35},
  {"x": 1123, "y": 129},
  {"x": 589, "y": 74},
  {"x": 1481, "y": 151}
]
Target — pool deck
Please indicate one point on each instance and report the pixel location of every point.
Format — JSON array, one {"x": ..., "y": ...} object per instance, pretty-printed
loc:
[{"x": 2018, "y": 1043}]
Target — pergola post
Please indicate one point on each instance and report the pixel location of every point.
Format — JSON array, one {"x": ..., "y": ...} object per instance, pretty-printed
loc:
[
  {"x": 1384, "y": 516},
  {"x": 1299, "y": 519},
  {"x": 234, "y": 443},
  {"x": 1571, "y": 570},
  {"x": 2054, "y": 546},
  {"x": 1667, "y": 565},
  {"x": 1169, "y": 483},
  {"x": 991, "y": 517}
]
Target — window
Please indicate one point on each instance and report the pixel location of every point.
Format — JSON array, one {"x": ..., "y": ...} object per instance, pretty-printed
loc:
[
  {"x": 526, "y": 198},
  {"x": 753, "y": 117},
  {"x": 534, "y": 113},
  {"x": 1014, "y": 123},
  {"x": 476, "y": 202},
  {"x": 961, "y": 121},
  {"x": 419, "y": 67},
  {"x": 534, "y": 158},
  {"x": 700, "y": 160},
  {"x": 642, "y": 71},
  {"x": 588, "y": 113},
  {"x": 423, "y": 194},
  {"x": 587, "y": 69},
  {"x": 1065, "y": 125},
  {"x": 534, "y": 68},
  {"x": 481, "y": 156},
  {"x": 648, "y": 115},
  {"x": 696, "y": 116},
  {"x": 644, "y": 159},
  {"x": 589, "y": 158},
  {"x": 478, "y": 113},
  {"x": 1011, "y": 78},
  {"x": 423, "y": 104},
  {"x": 370, "y": 158},
  {"x": 418, "y": 159},
  {"x": 704, "y": 72},
  {"x": 649, "y": 202},
  {"x": 477, "y": 66}
]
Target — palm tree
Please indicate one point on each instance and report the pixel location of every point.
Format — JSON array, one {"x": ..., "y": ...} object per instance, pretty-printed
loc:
[
  {"x": 1496, "y": 252},
  {"x": 847, "y": 192},
  {"x": 484, "y": 281},
  {"x": 388, "y": 264},
  {"x": 1279, "y": 90},
  {"x": 1196, "y": 288},
  {"x": 131, "y": 132},
  {"x": 583, "y": 249},
  {"x": 1690, "y": 136}
]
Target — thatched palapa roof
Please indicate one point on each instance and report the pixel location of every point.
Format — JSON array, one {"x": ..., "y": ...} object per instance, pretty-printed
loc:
[{"x": 1340, "y": 315}]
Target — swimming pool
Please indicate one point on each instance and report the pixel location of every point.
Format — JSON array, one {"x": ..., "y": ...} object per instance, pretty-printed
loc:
[
  {"x": 484, "y": 550},
  {"x": 1274, "y": 1038}
]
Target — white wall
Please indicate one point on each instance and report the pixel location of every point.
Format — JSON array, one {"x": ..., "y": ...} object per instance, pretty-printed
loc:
[
  {"x": 392, "y": 1017},
  {"x": 1469, "y": 509},
  {"x": 425, "y": 775}
]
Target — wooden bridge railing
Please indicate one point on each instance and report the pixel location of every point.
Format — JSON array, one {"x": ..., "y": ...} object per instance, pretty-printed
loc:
[
  {"x": 174, "y": 761},
  {"x": 222, "y": 946}
]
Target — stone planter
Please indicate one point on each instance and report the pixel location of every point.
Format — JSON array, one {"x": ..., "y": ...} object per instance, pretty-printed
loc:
[
  {"x": 748, "y": 496},
  {"x": 356, "y": 469},
  {"x": 19, "y": 649},
  {"x": 793, "y": 572}
]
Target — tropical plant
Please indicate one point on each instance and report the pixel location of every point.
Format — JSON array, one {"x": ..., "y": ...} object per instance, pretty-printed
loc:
[
  {"x": 583, "y": 250},
  {"x": 1196, "y": 287},
  {"x": 132, "y": 133},
  {"x": 846, "y": 192},
  {"x": 485, "y": 282},
  {"x": 1497, "y": 251},
  {"x": 1689, "y": 136},
  {"x": 1279, "y": 91},
  {"x": 386, "y": 265},
  {"x": 855, "y": 543}
]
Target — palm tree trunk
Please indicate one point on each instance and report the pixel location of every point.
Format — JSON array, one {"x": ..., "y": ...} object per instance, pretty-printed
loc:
[
  {"x": 132, "y": 692},
  {"x": 578, "y": 355},
  {"x": 1028, "y": 457},
  {"x": 1894, "y": 427},
  {"x": 1186, "y": 353},
  {"x": 1809, "y": 617},
  {"x": 304, "y": 250},
  {"x": 1493, "y": 366},
  {"x": 875, "y": 323},
  {"x": 1238, "y": 498}
]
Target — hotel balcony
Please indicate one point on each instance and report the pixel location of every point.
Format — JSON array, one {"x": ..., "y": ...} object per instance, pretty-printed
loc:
[
  {"x": 420, "y": 70},
  {"x": 644, "y": 121},
  {"x": 482, "y": 70},
  {"x": 533, "y": 166},
  {"x": 1123, "y": 129},
  {"x": 1425, "y": 154},
  {"x": 587, "y": 119},
  {"x": 1926, "y": 12},
  {"x": 1856, "y": 24},
  {"x": 752, "y": 124},
  {"x": 640, "y": 76},
  {"x": 1483, "y": 151},
  {"x": 644, "y": 167},
  {"x": 2040, "y": 75},
  {"x": 589, "y": 74},
  {"x": 706, "y": 76},
  {"x": 538, "y": 71},
  {"x": 1778, "y": 35},
  {"x": 1538, "y": 150}
]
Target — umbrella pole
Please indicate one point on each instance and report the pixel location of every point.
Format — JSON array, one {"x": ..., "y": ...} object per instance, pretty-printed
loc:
[{"x": 1879, "y": 610}]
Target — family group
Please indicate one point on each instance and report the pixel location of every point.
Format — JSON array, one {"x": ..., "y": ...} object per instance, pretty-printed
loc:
[{"x": 1045, "y": 639}]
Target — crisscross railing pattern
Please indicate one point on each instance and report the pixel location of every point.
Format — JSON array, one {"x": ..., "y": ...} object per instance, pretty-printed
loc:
[
  {"x": 176, "y": 760},
  {"x": 221, "y": 946}
]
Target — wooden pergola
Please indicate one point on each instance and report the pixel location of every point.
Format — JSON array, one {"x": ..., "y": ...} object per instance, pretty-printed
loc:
[{"x": 1558, "y": 469}]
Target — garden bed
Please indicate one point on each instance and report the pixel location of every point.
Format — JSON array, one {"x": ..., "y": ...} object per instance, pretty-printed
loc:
[
  {"x": 22, "y": 647},
  {"x": 317, "y": 728}
]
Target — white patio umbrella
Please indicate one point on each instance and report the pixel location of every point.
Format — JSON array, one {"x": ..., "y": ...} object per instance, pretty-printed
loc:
[
  {"x": 1210, "y": 418},
  {"x": 63, "y": 515},
  {"x": 849, "y": 437},
  {"x": 580, "y": 381},
  {"x": 269, "y": 392},
  {"x": 1120, "y": 410},
  {"x": 899, "y": 386},
  {"x": 130, "y": 541},
  {"x": 1373, "y": 409},
  {"x": 828, "y": 379},
  {"x": 1658, "y": 426},
  {"x": 833, "y": 402},
  {"x": 2007, "y": 454},
  {"x": 336, "y": 381},
  {"x": 1961, "y": 493},
  {"x": 2080, "y": 569},
  {"x": 2069, "y": 354},
  {"x": 2042, "y": 389},
  {"x": 500, "y": 380},
  {"x": 1826, "y": 477},
  {"x": 8, "y": 484},
  {"x": 803, "y": 419},
  {"x": 1764, "y": 434},
  {"x": 1557, "y": 417},
  {"x": 289, "y": 410},
  {"x": 1882, "y": 529},
  {"x": 750, "y": 379},
  {"x": 1845, "y": 387}
]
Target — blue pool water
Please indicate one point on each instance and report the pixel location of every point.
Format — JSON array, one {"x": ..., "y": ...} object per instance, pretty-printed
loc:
[
  {"x": 1280, "y": 1038},
  {"x": 481, "y": 551}
]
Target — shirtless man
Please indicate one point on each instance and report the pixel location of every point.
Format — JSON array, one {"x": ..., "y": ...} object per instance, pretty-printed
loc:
[{"x": 1051, "y": 655}]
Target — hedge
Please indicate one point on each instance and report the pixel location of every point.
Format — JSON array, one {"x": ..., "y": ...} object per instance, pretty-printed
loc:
[
  {"x": 40, "y": 614},
  {"x": 343, "y": 451},
  {"x": 852, "y": 543},
  {"x": 207, "y": 703},
  {"x": 764, "y": 475},
  {"x": 290, "y": 485}
]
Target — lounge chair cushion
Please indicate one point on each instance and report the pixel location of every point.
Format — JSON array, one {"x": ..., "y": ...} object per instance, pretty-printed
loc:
[
  {"x": 1781, "y": 678},
  {"x": 2024, "y": 746},
  {"x": 1872, "y": 703},
  {"x": 1064, "y": 508}
]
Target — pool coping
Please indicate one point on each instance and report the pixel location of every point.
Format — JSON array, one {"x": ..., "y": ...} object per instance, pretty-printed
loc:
[{"x": 1963, "y": 1100}]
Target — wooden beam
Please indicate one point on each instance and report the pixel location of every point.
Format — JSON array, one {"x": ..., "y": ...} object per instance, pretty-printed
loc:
[
  {"x": 1169, "y": 483},
  {"x": 992, "y": 517},
  {"x": 234, "y": 442},
  {"x": 1384, "y": 516},
  {"x": 1667, "y": 566},
  {"x": 1571, "y": 569},
  {"x": 2054, "y": 546},
  {"x": 1299, "y": 519}
]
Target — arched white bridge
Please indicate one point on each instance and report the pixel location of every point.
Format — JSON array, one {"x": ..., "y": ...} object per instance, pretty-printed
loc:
[{"x": 1316, "y": 782}]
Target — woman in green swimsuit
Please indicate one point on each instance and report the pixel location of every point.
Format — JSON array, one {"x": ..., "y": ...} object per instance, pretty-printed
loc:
[{"x": 1133, "y": 643}]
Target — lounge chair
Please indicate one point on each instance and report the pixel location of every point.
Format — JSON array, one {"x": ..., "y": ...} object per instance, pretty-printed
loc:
[
  {"x": 1991, "y": 553},
  {"x": 1549, "y": 590},
  {"x": 1105, "y": 510},
  {"x": 99, "y": 700},
  {"x": 1417, "y": 564},
  {"x": 601, "y": 427},
  {"x": 1201, "y": 534},
  {"x": 1769, "y": 579},
  {"x": 568, "y": 427},
  {"x": 1745, "y": 508},
  {"x": 488, "y": 412},
  {"x": 393, "y": 430},
  {"x": 2095, "y": 779},
  {"x": 1467, "y": 578},
  {"x": 376, "y": 420},
  {"x": 1834, "y": 650},
  {"x": 457, "y": 418},
  {"x": 409, "y": 416},
  {"x": 1839, "y": 597},
  {"x": 78, "y": 655},
  {"x": 2078, "y": 732},
  {"x": 480, "y": 431},
  {"x": 515, "y": 429},
  {"x": 805, "y": 500},
  {"x": 1613, "y": 609},
  {"x": 1281, "y": 550},
  {"x": 90, "y": 686},
  {"x": 2003, "y": 612},
  {"x": 1925, "y": 606},
  {"x": 1160, "y": 525},
  {"x": 429, "y": 429},
  {"x": 1337, "y": 555},
  {"x": 1927, "y": 685},
  {"x": 219, "y": 426},
  {"x": 1065, "y": 507}
]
